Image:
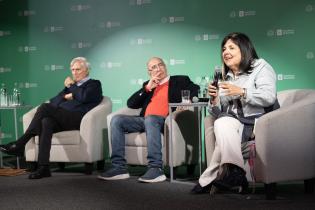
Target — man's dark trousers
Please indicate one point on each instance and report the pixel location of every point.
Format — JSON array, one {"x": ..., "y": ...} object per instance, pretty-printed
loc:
[{"x": 48, "y": 120}]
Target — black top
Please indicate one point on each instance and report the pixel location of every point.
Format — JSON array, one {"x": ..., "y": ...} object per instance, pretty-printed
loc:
[{"x": 85, "y": 97}]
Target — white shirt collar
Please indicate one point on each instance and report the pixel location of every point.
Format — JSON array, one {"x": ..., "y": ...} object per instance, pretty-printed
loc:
[
  {"x": 166, "y": 79},
  {"x": 81, "y": 82}
]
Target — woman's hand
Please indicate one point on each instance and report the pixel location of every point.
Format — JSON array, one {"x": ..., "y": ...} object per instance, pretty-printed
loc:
[
  {"x": 229, "y": 89},
  {"x": 213, "y": 93}
]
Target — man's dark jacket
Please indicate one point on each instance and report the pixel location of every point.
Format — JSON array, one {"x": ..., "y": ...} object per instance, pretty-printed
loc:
[
  {"x": 85, "y": 97},
  {"x": 142, "y": 98}
]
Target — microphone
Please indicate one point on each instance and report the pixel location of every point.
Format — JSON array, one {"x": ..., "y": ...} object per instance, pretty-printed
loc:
[{"x": 195, "y": 99}]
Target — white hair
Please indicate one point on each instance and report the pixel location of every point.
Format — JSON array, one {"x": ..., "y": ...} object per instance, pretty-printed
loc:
[
  {"x": 152, "y": 58},
  {"x": 82, "y": 60}
]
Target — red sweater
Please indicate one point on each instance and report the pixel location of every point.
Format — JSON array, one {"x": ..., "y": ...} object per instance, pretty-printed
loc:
[{"x": 159, "y": 101}]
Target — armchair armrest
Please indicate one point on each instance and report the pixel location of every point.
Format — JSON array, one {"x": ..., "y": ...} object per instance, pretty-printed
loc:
[
  {"x": 285, "y": 138},
  {"x": 93, "y": 125},
  {"x": 27, "y": 118},
  {"x": 184, "y": 135}
]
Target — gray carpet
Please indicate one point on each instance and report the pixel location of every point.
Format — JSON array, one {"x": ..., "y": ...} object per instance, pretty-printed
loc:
[{"x": 68, "y": 190}]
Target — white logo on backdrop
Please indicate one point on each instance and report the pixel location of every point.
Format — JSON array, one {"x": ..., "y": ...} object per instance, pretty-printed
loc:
[
  {"x": 309, "y": 8},
  {"x": 26, "y": 13},
  {"x": 141, "y": 41},
  {"x": 286, "y": 76},
  {"x": 80, "y": 7},
  {"x": 81, "y": 45},
  {"x": 139, "y": 2},
  {"x": 53, "y": 67},
  {"x": 4, "y": 69},
  {"x": 310, "y": 55},
  {"x": 27, "y": 49},
  {"x": 53, "y": 29},
  {"x": 110, "y": 65},
  {"x": 172, "y": 19},
  {"x": 270, "y": 33},
  {"x": 28, "y": 85},
  {"x": 242, "y": 13},
  {"x": 6, "y": 135},
  {"x": 109, "y": 24},
  {"x": 174, "y": 62},
  {"x": 5, "y": 33},
  {"x": 280, "y": 32},
  {"x": 206, "y": 37}
]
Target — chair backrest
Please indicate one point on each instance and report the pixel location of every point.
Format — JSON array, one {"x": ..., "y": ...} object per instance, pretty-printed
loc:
[{"x": 288, "y": 97}]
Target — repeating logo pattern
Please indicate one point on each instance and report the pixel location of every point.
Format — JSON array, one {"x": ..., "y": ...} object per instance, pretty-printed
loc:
[
  {"x": 121, "y": 35},
  {"x": 5, "y": 33},
  {"x": 172, "y": 19},
  {"x": 80, "y": 7},
  {"x": 53, "y": 29},
  {"x": 242, "y": 13},
  {"x": 139, "y": 2},
  {"x": 280, "y": 32},
  {"x": 27, "y": 49},
  {"x": 53, "y": 67},
  {"x": 4, "y": 69},
  {"x": 206, "y": 37}
]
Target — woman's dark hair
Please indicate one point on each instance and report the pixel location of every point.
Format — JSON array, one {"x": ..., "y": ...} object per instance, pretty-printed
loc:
[{"x": 247, "y": 49}]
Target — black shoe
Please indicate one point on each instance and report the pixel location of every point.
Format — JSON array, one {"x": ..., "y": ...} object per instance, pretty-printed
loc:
[
  {"x": 12, "y": 149},
  {"x": 201, "y": 190},
  {"x": 234, "y": 180},
  {"x": 41, "y": 172}
]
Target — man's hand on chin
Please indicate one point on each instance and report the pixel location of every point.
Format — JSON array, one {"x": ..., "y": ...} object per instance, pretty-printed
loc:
[{"x": 68, "y": 81}]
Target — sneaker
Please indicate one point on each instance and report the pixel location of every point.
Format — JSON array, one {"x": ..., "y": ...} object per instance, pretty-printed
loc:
[
  {"x": 114, "y": 174},
  {"x": 153, "y": 175}
]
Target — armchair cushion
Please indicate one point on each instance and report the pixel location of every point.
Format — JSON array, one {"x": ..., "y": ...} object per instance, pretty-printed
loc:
[{"x": 64, "y": 138}]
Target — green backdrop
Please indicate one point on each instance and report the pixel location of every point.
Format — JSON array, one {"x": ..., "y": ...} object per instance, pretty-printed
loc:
[{"x": 38, "y": 38}]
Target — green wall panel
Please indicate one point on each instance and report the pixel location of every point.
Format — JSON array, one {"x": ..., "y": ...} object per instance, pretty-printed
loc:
[{"x": 38, "y": 38}]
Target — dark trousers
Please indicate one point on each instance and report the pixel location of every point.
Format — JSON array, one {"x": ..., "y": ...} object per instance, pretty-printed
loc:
[{"x": 47, "y": 121}]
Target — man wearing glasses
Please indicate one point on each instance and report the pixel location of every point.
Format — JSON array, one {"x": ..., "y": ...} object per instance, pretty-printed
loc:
[
  {"x": 153, "y": 98},
  {"x": 63, "y": 112}
]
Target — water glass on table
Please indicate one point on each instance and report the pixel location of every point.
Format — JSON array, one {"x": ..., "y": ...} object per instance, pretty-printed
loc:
[{"x": 185, "y": 96}]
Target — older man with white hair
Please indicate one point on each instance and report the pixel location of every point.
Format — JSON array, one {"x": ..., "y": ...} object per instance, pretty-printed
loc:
[{"x": 63, "y": 112}]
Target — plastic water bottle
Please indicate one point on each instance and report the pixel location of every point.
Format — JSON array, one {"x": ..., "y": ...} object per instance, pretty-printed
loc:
[
  {"x": 16, "y": 98},
  {"x": 203, "y": 87},
  {"x": 3, "y": 95}
]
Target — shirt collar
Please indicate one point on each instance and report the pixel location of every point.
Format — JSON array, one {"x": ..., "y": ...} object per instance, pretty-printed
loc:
[
  {"x": 81, "y": 82},
  {"x": 166, "y": 79}
]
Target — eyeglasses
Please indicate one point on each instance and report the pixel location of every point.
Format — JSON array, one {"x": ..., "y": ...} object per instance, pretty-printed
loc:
[{"x": 156, "y": 67}]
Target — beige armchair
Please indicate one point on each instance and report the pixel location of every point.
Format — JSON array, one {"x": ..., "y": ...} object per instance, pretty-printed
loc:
[
  {"x": 285, "y": 142},
  {"x": 185, "y": 139},
  {"x": 84, "y": 145}
]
